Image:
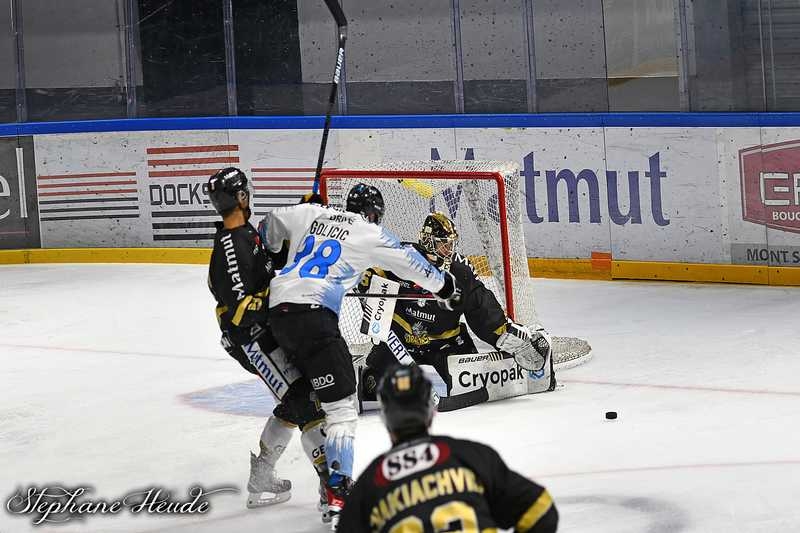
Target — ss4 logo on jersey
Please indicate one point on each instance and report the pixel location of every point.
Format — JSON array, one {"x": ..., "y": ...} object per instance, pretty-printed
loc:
[{"x": 411, "y": 460}]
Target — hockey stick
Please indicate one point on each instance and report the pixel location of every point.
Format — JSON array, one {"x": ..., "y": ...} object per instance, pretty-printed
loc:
[
  {"x": 405, "y": 296},
  {"x": 460, "y": 401},
  {"x": 341, "y": 23}
]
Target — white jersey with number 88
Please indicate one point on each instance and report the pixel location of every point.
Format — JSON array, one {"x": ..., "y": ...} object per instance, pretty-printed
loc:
[{"x": 329, "y": 249}]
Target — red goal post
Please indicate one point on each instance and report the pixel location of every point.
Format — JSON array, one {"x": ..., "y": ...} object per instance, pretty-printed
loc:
[{"x": 429, "y": 175}]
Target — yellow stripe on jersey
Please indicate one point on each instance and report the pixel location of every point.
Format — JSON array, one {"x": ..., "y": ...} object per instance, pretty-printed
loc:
[
  {"x": 249, "y": 303},
  {"x": 240, "y": 309},
  {"x": 221, "y": 310},
  {"x": 535, "y": 512}
]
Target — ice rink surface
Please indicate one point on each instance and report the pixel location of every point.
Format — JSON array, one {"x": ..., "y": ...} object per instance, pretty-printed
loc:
[{"x": 99, "y": 365}]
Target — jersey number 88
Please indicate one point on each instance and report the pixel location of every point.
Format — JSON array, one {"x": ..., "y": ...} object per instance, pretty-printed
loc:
[
  {"x": 445, "y": 517},
  {"x": 318, "y": 264}
]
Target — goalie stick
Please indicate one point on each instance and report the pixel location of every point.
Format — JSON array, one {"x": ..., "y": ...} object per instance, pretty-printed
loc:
[
  {"x": 406, "y": 296},
  {"x": 460, "y": 401},
  {"x": 341, "y": 23}
]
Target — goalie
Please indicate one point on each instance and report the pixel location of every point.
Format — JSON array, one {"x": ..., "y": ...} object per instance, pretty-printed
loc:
[{"x": 430, "y": 333}]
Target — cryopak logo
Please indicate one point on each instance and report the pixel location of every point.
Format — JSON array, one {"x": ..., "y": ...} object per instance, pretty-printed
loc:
[{"x": 770, "y": 179}]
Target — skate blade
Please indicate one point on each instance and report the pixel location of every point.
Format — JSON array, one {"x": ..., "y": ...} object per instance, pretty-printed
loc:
[
  {"x": 265, "y": 499},
  {"x": 325, "y": 513}
]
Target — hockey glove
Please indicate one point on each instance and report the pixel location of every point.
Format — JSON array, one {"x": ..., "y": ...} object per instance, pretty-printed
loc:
[
  {"x": 515, "y": 337},
  {"x": 534, "y": 355},
  {"x": 449, "y": 296}
]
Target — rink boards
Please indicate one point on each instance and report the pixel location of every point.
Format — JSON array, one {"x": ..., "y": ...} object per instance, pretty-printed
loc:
[{"x": 692, "y": 203}]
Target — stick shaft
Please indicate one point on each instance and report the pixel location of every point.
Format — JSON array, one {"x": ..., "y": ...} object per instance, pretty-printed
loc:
[
  {"x": 341, "y": 23},
  {"x": 391, "y": 296}
]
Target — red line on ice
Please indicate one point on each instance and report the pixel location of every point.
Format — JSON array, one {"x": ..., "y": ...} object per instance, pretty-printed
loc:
[{"x": 685, "y": 387}]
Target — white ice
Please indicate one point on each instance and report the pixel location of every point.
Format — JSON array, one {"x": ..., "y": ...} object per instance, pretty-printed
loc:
[{"x": 96, "y": 363}]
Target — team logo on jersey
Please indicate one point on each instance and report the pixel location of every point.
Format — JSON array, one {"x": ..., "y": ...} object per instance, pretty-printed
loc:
[
  {"x": 418, "y": 336},
  {"x": 402, "y": 463}
]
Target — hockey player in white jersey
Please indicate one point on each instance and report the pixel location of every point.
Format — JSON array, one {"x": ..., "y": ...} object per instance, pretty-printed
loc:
[{"x": 330, "y": 249}]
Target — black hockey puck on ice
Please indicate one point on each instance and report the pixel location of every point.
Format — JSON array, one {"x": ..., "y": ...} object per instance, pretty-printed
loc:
[{"x": 611, "y": 415}]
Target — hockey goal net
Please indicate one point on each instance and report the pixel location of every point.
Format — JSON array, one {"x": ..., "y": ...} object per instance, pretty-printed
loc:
[{"x": 484, "y": 199}]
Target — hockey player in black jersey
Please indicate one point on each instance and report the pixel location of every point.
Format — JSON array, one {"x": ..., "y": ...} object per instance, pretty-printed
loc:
[
  {"x": 431, "y": 333},
  {"x": 239, "y": 275},
  {"x": 432, "y": 483}
]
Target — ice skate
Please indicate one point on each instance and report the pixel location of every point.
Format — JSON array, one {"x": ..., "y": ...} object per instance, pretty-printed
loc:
[
  {"x": 336, "y": 490},
  {"x": 322, "y": 504},
  {"x": 264, "y": 486}
]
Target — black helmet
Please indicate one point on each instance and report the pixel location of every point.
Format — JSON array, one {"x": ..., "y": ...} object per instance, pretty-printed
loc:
[
  {"x": 438, "y": 239},
  {"x": 226, "y": 187},
  {"x": 367, "y": 200},
  {"x": 406, "y": 399}
]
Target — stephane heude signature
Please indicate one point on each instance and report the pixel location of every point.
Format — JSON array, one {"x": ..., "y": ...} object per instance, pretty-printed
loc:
[{"x": 58, "y": 504}]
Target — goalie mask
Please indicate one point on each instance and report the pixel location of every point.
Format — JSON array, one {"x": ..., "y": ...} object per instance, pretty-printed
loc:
[
  {"x": 228, "y": 187},
  {"x": 407, "y": 402},
  {"x": 438, "y": 239}
]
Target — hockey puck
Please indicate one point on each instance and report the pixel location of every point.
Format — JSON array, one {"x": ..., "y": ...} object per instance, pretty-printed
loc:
[{"x": 611, "y": 415}]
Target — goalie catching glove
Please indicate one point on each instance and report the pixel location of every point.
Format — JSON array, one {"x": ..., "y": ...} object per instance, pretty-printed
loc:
[{"x": 530, "y": 348}]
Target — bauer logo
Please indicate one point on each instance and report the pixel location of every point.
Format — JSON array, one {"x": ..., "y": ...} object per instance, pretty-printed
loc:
[{"x": 770, "y": 180}]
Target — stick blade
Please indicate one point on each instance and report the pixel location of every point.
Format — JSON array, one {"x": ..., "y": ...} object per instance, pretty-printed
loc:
[
  {"x": 266, "y": 499},
  {"x": 336, "y": 10},
  {"x": 460, "y": 401}
]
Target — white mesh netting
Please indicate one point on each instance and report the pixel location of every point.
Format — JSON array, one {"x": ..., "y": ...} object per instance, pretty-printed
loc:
[{"x": 469, "y": 192}]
